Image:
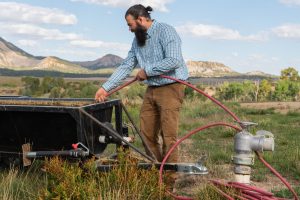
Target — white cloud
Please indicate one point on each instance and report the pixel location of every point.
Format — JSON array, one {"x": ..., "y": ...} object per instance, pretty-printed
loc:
[
  {"x": 18, "y": 12},
  {"x": 100, "y": 44},
  {"x": 290, "y": 2},
  {"x": 288, "y": 31},
  {"x": 156, "y": 4},
  {"x": 34, "y": 31},
  {"x": 215, "y": 32},
  {"x": 27, "y": 43}
]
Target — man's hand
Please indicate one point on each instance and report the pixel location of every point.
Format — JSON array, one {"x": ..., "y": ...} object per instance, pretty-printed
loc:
[
  {"x": 101, "y": 95},
  {"x": 141, "y": 75}
]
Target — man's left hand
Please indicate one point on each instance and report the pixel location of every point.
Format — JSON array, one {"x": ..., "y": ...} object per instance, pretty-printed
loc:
[{"x": 141, "y": 75}]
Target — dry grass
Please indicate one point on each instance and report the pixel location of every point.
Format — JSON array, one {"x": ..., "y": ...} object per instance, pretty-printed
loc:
[{"x": 281, "y": 107}]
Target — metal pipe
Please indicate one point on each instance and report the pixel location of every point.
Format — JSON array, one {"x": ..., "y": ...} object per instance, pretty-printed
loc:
[
  {"x": 115, "y": 134},
  {"x": 138, "y": 132}
]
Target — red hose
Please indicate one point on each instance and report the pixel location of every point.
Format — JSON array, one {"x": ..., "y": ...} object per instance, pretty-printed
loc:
[
  {"x": 209, "y": 126},
  {"x": 182, "y": 139},
  {"x": 203, "y": 93},
  {"x": 122, "y": 86},
  {"x": 236, "y": 118},
  {"x": 244, "y": 186},
  {"x": 277, "y": 174}
]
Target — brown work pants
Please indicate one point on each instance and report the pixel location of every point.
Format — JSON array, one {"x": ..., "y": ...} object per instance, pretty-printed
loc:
[{"x": 160, "y": 116}]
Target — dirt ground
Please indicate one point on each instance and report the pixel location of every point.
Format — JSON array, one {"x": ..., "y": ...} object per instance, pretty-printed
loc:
[{"x": 282, "y": 107}]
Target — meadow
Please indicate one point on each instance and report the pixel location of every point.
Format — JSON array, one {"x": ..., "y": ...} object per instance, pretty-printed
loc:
[{"x": 57, "y": 179}]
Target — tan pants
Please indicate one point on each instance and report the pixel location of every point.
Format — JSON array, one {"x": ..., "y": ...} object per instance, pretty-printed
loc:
[{"x": 160, "y": 116}]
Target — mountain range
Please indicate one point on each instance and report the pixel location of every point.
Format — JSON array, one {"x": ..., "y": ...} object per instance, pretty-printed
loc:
[{"x": 16, "y": 61}]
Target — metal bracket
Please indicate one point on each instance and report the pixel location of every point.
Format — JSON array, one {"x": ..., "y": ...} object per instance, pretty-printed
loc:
[{"x": 187, "y": 168}]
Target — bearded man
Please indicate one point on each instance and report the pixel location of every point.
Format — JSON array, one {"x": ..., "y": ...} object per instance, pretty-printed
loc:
[{"x": 157, "y": 49}]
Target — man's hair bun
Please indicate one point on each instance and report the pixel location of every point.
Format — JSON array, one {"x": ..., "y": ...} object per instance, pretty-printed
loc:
[{"x": 149, "y": 9}]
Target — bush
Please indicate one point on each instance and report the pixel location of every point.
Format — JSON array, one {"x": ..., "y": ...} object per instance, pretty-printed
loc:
[{"x": 124, "y": 181}]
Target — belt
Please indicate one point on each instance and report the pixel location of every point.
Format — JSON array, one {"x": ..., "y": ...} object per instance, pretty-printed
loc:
[{"x": 156, "y": 86}]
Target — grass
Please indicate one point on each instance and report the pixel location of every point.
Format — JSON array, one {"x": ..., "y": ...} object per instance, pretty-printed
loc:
[
  {"x": 81, "y": 181},
  {"x": 21, "y": 184},
  {"x": 125, "y": 181}
]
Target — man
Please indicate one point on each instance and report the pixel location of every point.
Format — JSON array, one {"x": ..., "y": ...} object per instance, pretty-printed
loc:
[{"x": 157, "y": 49}]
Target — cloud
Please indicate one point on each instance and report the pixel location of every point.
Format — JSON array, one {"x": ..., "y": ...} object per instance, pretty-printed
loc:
[
  {"x": 18, "y": 12},
  {"x": 290, "y": 2},
  {"x": 288, "y": 31},
  {"x": 215, "y": 32},
  {"x": 27, "y": 43},
  {"x": 100, "y": 44},
  {"x": 34, "y": 31},
  {"x": 156, "y": 4}
]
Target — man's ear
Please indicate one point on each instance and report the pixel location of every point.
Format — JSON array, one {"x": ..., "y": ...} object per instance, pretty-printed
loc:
[{"x": 140, "y": 20}]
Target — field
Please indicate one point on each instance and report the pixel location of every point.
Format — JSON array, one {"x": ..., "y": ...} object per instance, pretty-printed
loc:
[
  {"x": 282, "y": 107},
  {"x": 59, "y": 180}
]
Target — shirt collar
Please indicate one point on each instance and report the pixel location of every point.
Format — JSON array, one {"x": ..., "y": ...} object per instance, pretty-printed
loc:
[{"x": 152, "y": 28}]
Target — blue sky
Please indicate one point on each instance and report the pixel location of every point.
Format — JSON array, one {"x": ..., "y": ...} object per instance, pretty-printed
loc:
[{"x": 246, "y": 35}]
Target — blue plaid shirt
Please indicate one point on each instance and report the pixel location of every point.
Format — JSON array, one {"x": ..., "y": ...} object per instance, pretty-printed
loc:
[{"x": 160, "y": 55}]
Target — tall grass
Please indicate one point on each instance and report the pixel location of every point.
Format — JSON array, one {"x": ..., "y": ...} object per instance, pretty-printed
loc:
[
  {"x": 64, "y": 180},
  {"x": 21, "y": 184},
  {"x": 125, "y": 181}
]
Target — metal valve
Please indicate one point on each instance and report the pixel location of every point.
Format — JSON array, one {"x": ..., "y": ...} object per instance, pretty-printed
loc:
[{"x": 244, "y": 145}]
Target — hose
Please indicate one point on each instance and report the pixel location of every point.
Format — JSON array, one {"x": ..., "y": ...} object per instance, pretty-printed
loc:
[
  {"x": 277, "y": 174},
  {"x": 203, "y": 93},
  {"x": 181, "y": 140},
  {"x": 203, "y": 128},
  {"x": 215, "y": 124}
]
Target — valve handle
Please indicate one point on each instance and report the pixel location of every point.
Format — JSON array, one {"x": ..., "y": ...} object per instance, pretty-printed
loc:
[{"x": 246, "y": 125}]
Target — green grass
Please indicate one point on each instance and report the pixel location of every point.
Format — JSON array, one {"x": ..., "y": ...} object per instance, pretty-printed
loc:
[
  {"x": 21, "y": 184},
  {"x": 69, "y": 181}
]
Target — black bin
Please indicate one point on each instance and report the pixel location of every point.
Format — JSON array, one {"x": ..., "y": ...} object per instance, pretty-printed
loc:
[{"x": 54, "y": 124}]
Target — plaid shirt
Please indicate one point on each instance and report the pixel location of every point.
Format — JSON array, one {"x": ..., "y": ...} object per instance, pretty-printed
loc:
[{"x": 160, "y": 55}]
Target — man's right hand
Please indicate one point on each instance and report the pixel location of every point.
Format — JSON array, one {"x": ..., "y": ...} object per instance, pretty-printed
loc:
[{"x": 101, "y": 95}]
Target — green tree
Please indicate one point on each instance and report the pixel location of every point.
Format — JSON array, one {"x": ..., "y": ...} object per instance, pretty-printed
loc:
[
  {"x": 286, "y": 90},
  {"x": 31, "y": 85},
  {"x": 289, "y": 74},
  {"x": 88, "y": 90},
  {"x": 265, "y": 89},
  {"x": 230, "y": 91},
  {"x": 56, "y": 92},
  {"x": 249, "y": 91},
  {"x": 48, "y": 83}
]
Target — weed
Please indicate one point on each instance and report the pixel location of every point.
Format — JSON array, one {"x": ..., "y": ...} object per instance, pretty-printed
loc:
[{"x": 125, "y": 181}]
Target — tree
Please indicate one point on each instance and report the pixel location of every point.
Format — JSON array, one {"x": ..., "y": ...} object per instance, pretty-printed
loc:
[
  {"x": 265, "y": 89},
  {"x": 48, "y": 83},
  {"x": 230, "y": 91},
  {"x": 249, "y": 91},
  {"x": 55, "y": 92},
  {"x": 31, "y": 85},
  {"x": 289, "y": 74},
  {"x": 88, "y": 90}
]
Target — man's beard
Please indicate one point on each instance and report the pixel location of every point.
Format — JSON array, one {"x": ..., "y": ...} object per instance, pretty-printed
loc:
[{"x": 141, "y": 35}]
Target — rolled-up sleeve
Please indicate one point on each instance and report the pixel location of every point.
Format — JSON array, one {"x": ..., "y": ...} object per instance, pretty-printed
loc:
[
  {"x": 171, "y": 45},
  {"x": 122, "y": 71}
]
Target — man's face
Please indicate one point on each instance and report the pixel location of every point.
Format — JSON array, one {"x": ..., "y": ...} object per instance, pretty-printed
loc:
[
  {"x": 132, "y": 23},
  {"x": 135, "y": 26}
]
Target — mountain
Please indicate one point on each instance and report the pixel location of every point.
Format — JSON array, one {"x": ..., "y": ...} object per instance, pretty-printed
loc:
[
  {"x": 52, "y": 63},
  {"x": 14, "y": 61},
  {"x": 14, "y": 58},
  {"x": 209, "y": 69},
  {"x": 107, "y": 61},
  {"x": 11, "y": 56},
  {"x": 259, "y": 73}
]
